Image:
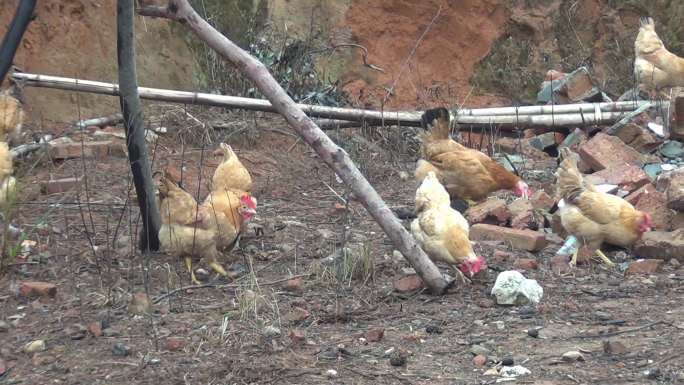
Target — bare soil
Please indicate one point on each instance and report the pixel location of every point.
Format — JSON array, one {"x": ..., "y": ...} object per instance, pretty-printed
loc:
[{"x": 224, "y": 326}]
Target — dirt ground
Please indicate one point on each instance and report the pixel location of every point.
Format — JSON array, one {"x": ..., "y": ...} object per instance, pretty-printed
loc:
[{"x": 256, "y": 329}]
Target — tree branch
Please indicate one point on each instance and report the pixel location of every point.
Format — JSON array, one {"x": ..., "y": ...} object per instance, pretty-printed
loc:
[{"x": 327, "y": 150}]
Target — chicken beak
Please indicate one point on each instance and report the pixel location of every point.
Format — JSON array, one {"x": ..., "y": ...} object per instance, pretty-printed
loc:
[{"x": 250, "y": 211}]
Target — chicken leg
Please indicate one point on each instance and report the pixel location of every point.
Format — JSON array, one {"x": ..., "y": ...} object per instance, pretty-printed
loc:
[
  {"x": 464, "y": 279},
  {"x": 604, "y": 259},
  {"x": 188, "y": 264},
  {"x": 573, "y": 260}
]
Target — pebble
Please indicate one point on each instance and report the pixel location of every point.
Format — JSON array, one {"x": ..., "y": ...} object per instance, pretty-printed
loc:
[
  {"x": 507, "y": 361},
  {"x": 295, "y": 285},
  {"x": 35, "y": 346},
  {"x": 111, "y": 332},
  {"x": 403, "y": 175},
  {"x": 680, "y": 376},
  {"x": 653, "y": 374},
  {"x": 572, "y": 355},
  {"x": 534, "y": 333},
  {"x": 140, "y": 304},
  {"x": 4, "y": 326},
  {"x": 202, "y": 274},
  {"x": 479, "y": 350},
  {"x": 479, "y": 360},
  {"x": 95, "y": 328},
  {"x": 76, "y": 331},
  {"x": 499, "y": 324},
  {"x": 271, "y": 331},
  {"x": 614, "y": 347},
  {"x": 397, "y": 359},
  {"x": 120, "y": 350},
  {"x": 433, "y": 329},
  {"x": 331, "y": 373},
  {"x": 173, "y": 344},
  {"x": 374, "y": 335},
  {"x": 286, "y": 248}
]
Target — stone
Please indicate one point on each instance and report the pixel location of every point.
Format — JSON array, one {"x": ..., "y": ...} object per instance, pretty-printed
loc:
[
  {"x": 519, "y": 239},
  {"x": 408, "y": 284},
  {"x": 120, "y": 350},
  {"x": 542, "y": 201},
  {"x": 655, "y": 204},
  {"x": 574, "y": 139},
  {"x": 4, "y": 326},
  {"x": 56, "y": 186},
  {"x": 70, "y": 150},
  {"x": 512, "y": 288},
  {"x": 522, "y": 215},
  {"x": 76, "y": 331},
  {"x": 628, "y": 177},
  {"x": 140, "y": 304},
  {"x": 374, "y": 335},
  {"x": 578, "y": 86},
  {"x": 37, "y": 289},
  {"x": 614, "y": 347},
  {"x": 295, "y": 285},
  {"x": 634, "y": 196},
  {"x": 297, "y": 337},
  {"x": 675, "y": 191},
  {"x": 479, "y": 350},
  {"x": 35, "y": 346},
  {"x": 543, "y": 141},
  {"x": 95, "y": 328},
  {"x": 572, "y": 356},
  {"x": 603, "y": 151},
  {"x": 672, "y": 149},
  {"x": 661, "y": 245},
  {"x": 271, "y": 331},
  {"x": 500, "y": 256},
  {"x": 653, "y": 170},
  {"x": 296, "y": 315},
  {"x": 638, "y": 137},
  {"x": 644, "y": 266},
  {"x": 173, "y": 344},
  {"x": 526, "y": 264},
  {"x": 479, "y": 360},
  {"x": 493, "y": 211},
  {"x": 677, "y": 126}
]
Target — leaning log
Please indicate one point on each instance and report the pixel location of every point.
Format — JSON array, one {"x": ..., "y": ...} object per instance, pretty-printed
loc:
[
  {"x": 327, "y": 150},
  {"x": 15, "y": 32},
  {"x": 507, "y": 117}
]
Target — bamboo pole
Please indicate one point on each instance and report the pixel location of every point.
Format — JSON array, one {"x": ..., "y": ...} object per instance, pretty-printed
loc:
[{"x": 527, "y": 116}]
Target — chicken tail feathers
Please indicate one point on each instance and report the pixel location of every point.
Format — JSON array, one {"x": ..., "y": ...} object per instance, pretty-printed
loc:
[
  {"x": 646, "y": 21},
  {"x": 436, "y": 120},
  {"x": 570, "y": 180}
]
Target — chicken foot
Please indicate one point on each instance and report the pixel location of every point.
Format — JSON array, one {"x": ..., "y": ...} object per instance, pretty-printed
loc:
[
  {"x": 464, "y": 279},
  {"x": 604, "y": 259},
  {"x": 188, "y": 264}
]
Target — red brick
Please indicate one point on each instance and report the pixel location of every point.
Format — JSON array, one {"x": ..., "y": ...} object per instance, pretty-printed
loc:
[
  {"x": 95, "y": 328},
  {"x": 70, "y": 150},
  {"x": 408, "y": 284},
  {"x": 542, "y": 201},
  {"x": 644, "y": 266},
  {"x": 627, "y": 176},
  {"x": 638, "y": 137},
  {"x": 56, "y": 186},
  {"x": 579, "y": 85},
  {"x": 633, "y": 198},
  {"x": 603, "y": 151},
  {"x": 661, "y": 245},
  {"x": 173, "y": 344},
  {"x": 479, "y": 360},
  {"x": 675, "y": 191},
  {"x": 38, "y": 289},
  {"x": 374, "y": 335},
  {"x": 492, "y": 211},
  {"x": 526, "y": 264},
  {"x": 655, "y": 203},
  {"x": 519, "y": 239},
  {"x": 522, "y": 214}
]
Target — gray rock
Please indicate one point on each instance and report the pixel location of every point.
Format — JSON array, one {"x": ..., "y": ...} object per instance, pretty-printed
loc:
[{"x": 512, "y": 288}]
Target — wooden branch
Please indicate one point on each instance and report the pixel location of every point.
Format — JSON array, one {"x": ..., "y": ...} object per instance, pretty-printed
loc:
[
  {"x": 327, "y": 150},
  {"x": 135, "y": 130},
  {"x": 508, "y": 117}
]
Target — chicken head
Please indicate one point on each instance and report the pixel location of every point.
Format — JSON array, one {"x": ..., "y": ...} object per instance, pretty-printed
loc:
[
  {"x": 248, "y": 206},
  {"x": 521, "y": 189},
  {"x": 472, "y": 266}
]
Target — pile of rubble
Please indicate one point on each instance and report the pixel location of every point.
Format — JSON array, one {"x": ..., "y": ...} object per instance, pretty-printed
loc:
[{"x": 634, "y": 158}]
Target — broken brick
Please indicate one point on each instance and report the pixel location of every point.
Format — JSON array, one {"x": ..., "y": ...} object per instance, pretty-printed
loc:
[
  {"x": 294, "y": 285},
  {"x": 628, "y": 177},
  {"x": 38, "y": 289},
  {"x": 637, "y": 137},
  {"x": 677, "y": 126},
  {"x": 492, "y": 211},
  {"x": 56, "y": 186},
  {"x": 579, "y": 86},
  {"x": 541, "y": 200},
  {"x": 661, "y": 245},
  {"x": 644, "y": 266},
  {"x": 95, "y": 328},
  {"x": 522, "y": 214},
  {"x": 69, "y": 150},
  {"x": 408, "y": 284},
  {"x": 543, "y": 141},
  {"x": 675, "y": 191},
  {"x": 374, "y": 335},
  {"x": 603, "y": 151},
  {"x": 519, "y": 239},
  {"x": 633, "y": 197},
  {"x": 174, "y": 344},
  {"x": 526, "y": 264},
  {"x": 655, "y": 203}
]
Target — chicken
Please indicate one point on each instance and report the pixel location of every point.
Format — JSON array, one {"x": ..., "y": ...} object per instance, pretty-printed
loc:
[
  {"x": 231, "y": 174},
  {"x": 229, "y": 212},
  {"x": 441, "y": 231},
  {"x": 654, "y": 66},
  {"x": 11, "y": 116},
  {"x": 465, "y": 173},
  {"x": 7, "y": 181},
  {"x": 184, "y": 231},
  {"x": 595, "y": 217}
]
